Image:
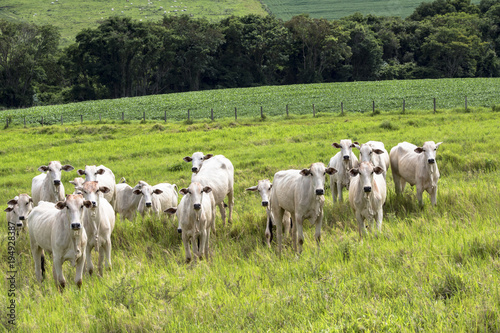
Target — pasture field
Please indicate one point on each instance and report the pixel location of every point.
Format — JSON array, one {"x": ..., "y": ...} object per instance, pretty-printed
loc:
[
  {"x": 72, "y": 16},
  {"x": 356, "y": 97},
  {"x": 433, "y": 269}
]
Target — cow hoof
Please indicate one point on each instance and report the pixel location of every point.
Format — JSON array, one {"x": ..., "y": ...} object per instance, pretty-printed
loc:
[
  {"x": 91, "y": 271},
  {"x": 188, "y": 260},
  {"x": 79, "y": 283}
]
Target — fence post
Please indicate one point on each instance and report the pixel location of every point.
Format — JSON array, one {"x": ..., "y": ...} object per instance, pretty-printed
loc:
[
  {"x": 123, "y": 115},
  {"x": 144, "y": 116},
  {"x": 342, "y": 108},
  {"x": 61, "y": 120},
  {"x": 188, "y": 114},
  {"x": 465, "y": 103},
  {"x": 212, "y": 114},
  {"x": 373, "y": 106},
  {"x": 235, "y": 114},
  {"x": 81, "y": 118},
  {"x": 24, "y": 121},
  {"x": 404, "y": 102},
  {"x": 434, "y": 104},
  {"x": 7, "y": 122},
  {"x": 287, "y": 110},
  {"x": 314, "y": 111},
  {"x": 100, "y": 117},
  {"x": 261, "y": 113},
  {"x": 165, "y": 115}
]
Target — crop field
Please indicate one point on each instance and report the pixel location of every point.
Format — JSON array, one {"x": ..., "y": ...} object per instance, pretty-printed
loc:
[
  {"x": 432, "y": 269},
  {"x": 356, "y": 97},
  {"x": 72, "y": 16}
]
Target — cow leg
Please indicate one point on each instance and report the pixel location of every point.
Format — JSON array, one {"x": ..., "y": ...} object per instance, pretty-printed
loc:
[
  {"x": 222, "y": 213},
  {"x": 207, "y": 239},
  {"x": 361, "y": 225},
  {"x": 102, "y": 250},
  {"x": 397, "y": 182},
  {"x": 420, "y": 192},
  {"x": 278, "y": 217},
  {"x": 203, "y": 240},
  {"x": 185, "y": 241},
  {"x": 58, "y": 273},
  {"x": 269, "y": 229},
  {"x": 286, "y": 220},
  {"x": 379, "y": 216},
  {"x": 230, "y": 199},
  {"x": 433, "y": 195},
  {"x": 88, "y": 263},
  {"x": 319, "y": 222},
  {"x": 299, "y": 233},
  {"x": 108, "y": 254},
  {"x": 333, "y": 186},
  {"x": 80, "y": 265},
  {"x": 339, "y": 190},
  {"x": 37, "y": 258}
]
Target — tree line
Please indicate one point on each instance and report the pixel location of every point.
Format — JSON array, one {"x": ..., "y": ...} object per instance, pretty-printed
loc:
[{"x": 123, "y": 57}]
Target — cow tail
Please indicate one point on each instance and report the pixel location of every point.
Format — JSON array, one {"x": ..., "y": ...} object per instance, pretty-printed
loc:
[{"x": 42, "y": 259}]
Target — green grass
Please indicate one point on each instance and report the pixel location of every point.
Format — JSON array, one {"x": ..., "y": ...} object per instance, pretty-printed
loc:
[
  {"x": 72, "y": 16},
  {"x": 357, "y": 97},
  {"x": 434, "y": 269}
]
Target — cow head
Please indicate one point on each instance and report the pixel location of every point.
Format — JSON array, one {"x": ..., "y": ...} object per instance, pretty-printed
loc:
[
  {"x": 264, "y": 188},
  {"x": 429, "y": 149},
  {"x": 53, "y": 171},
  {"x": 20, "y": 207},
  {"x": 197, "y": 160},
  {"x": 78, "y": 182},
  {"x": 73, "y": 206},
  {"x": 147, "y": 191},
  {"x": 366, "y": 151},
  {"x": 365, "y": 171},
  {"x": 317, "y": 171},
  {"x": 91, "y": 192},
  {"x": 345, "y": 147},
  {"x": 91, "y": 172}
]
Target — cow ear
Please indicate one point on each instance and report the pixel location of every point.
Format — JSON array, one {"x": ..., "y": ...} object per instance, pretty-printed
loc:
[
  {"x": 271, "y": 186},
  {"x": 87, "y": 203},
  {"x": 43, "y": 168},
  {"x": 336, "y": 145},
  {"x": 12, "y": 202},
  {"x": 354, "y": 172},
  {"x": 253, "y": 188},
  {"x": 68, "y": 167},
  {"x": 331, "y": 171},
  {"x": 9, "y": 209},
  {"x": 101, "y": 171},
  {"x": 378, "y": 151},
  {"x": 378, "y": 170},
  {"x": 305, "y": 172},
  {"x": 207, "y": 189},
  {"x": 419, "y": 150},
  {"x": 104, "y": 189},
  {"x": 60, "y": 205},
  {"x": 80, "y": 172},
  {"x": 438, "y": 144},
  {"x": 356, "y": 144},
  {"x": 137, "y": 192},
  {"x": 171, "y": 211},
  {"x": 184, "y": 191},
  {"x": 31, "y": 200},
  {"x": 157, "y": 191},
  {"x": 187, "y": 159},
  {"x": 208, "y": 156},
  {"x": 72, "y": 182}
]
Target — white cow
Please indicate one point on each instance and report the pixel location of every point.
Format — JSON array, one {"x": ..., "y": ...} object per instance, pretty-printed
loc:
[
  {"x": 264, "y": 188},
  {"x": 367, "y": 194},
  {"x": 417, "y": 166},
  {"x": 48, "y": 186},
  {"x": 78, "y": 181},
  {"x": 196, "y": 214},
  {"x": 343, "y": 161},
  {"x": 374, "y": 152},
  {"x": 126, "y": 201},
  {"x": 18, "y": 210},
  {"x": 301, "y": 192},
  {"x": 99, "y": 222},
  {"x": 58, "y": 229},
  {"x": 217, "y": 172},
  {"x": 155, "y": 199},
  {"x": 104, "y": 176}
]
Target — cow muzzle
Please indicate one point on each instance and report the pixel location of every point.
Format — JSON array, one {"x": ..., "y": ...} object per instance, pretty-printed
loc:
[
  {"x": 57, "y": 182},
  {"x": 148, "y": 204},
  {"x": 320, "y": 191},
  {"x": 76, "y": 226},
  {"x": 431, "y": 161},
  {"x": 94, "y": 204},
  {"x": 346, "y": 157},
  {"x": 194, "y": 169},
  {"x": 19, "y": 224},
  {"x": 367, "y": 189},
  {"x": 179, "y": 230},
  {"x": 197, "y": 206},
  {"x": 265, "y": 203}
]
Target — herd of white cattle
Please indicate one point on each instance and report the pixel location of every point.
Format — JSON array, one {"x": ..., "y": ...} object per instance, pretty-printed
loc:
[{"x": 70, "y": 226}]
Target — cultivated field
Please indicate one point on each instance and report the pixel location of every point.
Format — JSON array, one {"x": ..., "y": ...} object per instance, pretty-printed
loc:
[{"x": 433, "y": 269}]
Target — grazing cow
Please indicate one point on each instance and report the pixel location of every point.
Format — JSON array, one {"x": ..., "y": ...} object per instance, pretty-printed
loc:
[
  {"x": 99, "y": 222},
  {"x": 367, "y": 194},
  {"x": 417, "y": 166},
  {"x": 18, "y": 210},
  {"x": 104, "y": 176},
  {"x": 78, "y": 181},
  {"x": 126, "y": 201},
  {"x": 48, "y": 186},
  {"x": 155, "y": 199},
  {"x": 374, "y": 152},
  {"x": 58, "y": 229},
  {"x": 301, "y": 192},
  {"x": 217, "y": 172},
  {"x": 343, "y": 161},
  {"x": 264, "y": 189},
  {"x": 196, "y": 214}
]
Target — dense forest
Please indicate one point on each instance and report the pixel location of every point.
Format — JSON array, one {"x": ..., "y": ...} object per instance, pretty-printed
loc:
[{"x": 124, "y": 57}]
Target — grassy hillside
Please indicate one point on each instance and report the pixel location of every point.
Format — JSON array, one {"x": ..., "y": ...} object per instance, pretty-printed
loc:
[
  {"x": 72, "y": 16},
  {"x": 327, "y": 98},
  {"x": 434, "y": 269}
]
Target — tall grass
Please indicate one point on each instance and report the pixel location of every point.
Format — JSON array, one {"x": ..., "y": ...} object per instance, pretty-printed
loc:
[{"x": 433, "y": 268}]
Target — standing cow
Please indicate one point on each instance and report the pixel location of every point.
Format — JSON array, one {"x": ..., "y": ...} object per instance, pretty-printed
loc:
[
  {"x": 99, "y": 222},
  {"x": 264, "y": 188},
  {"x": 343, "y": 161},
  {"x": 374, "y": 152},
  {"x": 155, "y": 199},
  {"x": 18, "y": 210},
  {"x": 367, "y": 194},
  {"x": 126, "y": 201},
  {"x": 196, "y": 215},
  {"x": 58, "y": 229},
  {"x": 417, "y": 166},
  {"x": 217, "y": 172},
  {"x": 301, "y": 192},
  {"x": 104, "y": 176},
  {"x": 48, "y": 186}
]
